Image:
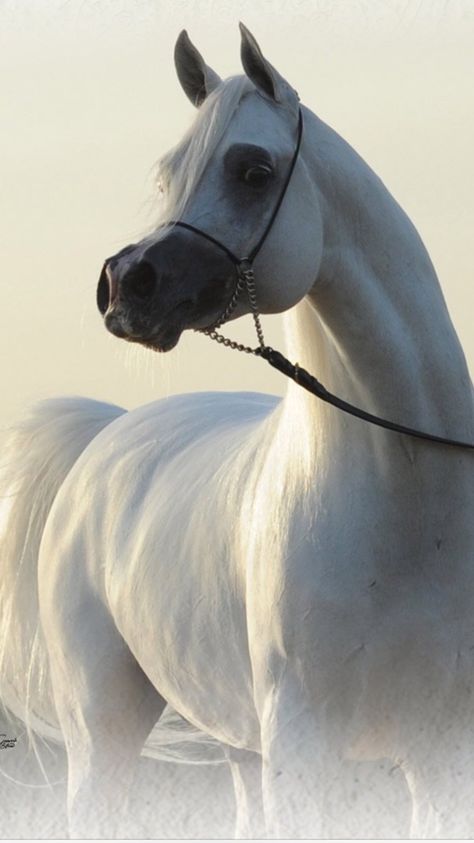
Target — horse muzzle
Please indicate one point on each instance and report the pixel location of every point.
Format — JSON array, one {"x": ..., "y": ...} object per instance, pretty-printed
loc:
[{"x": 150, "y": 296}]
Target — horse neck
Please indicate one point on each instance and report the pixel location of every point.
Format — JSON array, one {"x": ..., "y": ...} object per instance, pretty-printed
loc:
[{"x": 375, "y": 328}]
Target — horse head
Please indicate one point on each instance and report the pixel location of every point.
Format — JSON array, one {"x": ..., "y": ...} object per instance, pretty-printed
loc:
[{"x": 224, "y": 181}]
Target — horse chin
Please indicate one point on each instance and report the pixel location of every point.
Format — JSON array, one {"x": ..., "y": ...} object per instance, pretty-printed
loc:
[
  {"x": 160, "y": 347},
  {"x": 164, "y": 341}
]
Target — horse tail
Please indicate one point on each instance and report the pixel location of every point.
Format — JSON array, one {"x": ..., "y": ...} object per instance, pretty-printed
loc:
[{"x": 37, "y": 455}]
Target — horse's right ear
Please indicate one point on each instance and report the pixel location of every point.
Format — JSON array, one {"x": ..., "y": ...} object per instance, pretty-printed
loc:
[{"x": 197, "y": 79}]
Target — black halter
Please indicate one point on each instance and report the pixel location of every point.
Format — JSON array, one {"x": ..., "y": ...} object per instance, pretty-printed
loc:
[
  {"x": 245, "y": 280},
  {"x": 249, "y": 259}
]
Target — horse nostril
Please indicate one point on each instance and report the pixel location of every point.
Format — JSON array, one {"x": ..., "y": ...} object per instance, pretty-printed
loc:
[
  {"x": 140, "y": 281},
  {"x": 103, "y": 292}
]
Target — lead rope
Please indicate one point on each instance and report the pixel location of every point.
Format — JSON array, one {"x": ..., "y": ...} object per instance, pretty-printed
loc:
[
  {"x": 246, "y": 280},
  {"x": 310, "y": 383}
]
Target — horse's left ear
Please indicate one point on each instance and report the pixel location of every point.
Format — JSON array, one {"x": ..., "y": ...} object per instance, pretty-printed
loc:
[
  {"x": 266, "y": 79},
  {"x": 197, "y": 79}
]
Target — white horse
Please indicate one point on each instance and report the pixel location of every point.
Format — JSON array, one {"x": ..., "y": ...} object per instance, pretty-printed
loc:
[{"x": 291, "y": 580}]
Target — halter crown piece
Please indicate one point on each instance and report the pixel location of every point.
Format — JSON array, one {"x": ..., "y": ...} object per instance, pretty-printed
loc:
[{"x": 246, "y": 281}]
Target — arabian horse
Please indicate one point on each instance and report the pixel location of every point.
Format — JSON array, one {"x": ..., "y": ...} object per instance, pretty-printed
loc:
[{"x": 295, "y": 583}]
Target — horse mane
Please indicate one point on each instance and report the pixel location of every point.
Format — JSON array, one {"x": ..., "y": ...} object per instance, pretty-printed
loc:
[{"x": 180, "y": 169}]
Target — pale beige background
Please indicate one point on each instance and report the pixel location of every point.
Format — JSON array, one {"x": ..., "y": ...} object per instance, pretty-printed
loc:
[{"x": 88, "y": 101}]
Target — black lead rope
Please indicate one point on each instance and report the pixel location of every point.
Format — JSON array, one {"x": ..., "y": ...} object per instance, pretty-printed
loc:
[
  {"x": 245, "y": 280},
  {"x": 309, "y": 382}
]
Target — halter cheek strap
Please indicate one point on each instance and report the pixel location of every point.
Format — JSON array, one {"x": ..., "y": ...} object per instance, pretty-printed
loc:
[
  {"x": 244, "y": 265},
  {"x": 250, "y": 257},
  {"x": 246, "y": 281}
]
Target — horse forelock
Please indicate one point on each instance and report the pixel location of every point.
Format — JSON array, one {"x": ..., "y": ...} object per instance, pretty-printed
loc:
[{"x": 179, "y": 170}]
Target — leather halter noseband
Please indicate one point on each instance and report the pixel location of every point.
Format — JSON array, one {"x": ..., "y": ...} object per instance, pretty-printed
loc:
[
  {"x": 246, "y": 280},
  {"x": 244, "y": 265},
  {"x": 248, "y": 260}
]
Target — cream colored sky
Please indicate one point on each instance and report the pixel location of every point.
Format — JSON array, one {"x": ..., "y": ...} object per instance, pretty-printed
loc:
[{"x": 89, "y": 100}]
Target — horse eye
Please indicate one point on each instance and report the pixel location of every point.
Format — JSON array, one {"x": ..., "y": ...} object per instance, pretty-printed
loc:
[{"x": 257, "y": 176}]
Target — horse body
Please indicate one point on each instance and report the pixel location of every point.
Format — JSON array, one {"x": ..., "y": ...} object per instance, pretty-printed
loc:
[
  {"x": 291, "y": 580},
  {"x": 171, "y": 591}
]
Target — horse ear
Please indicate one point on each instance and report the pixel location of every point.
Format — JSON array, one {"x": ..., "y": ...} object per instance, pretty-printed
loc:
[
  {"x": 266, "y": 79},
  {"x": 197, "y": 79}
]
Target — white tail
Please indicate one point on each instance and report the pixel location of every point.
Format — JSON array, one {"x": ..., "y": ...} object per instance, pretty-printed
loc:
[{"x": 39, "y": 452}]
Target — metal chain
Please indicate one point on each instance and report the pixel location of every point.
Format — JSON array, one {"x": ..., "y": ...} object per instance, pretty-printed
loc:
[
  {"x": 230, "y": 307},
  {"x": 246, "y": 280},
  {"x": 249, "y": 276}
]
